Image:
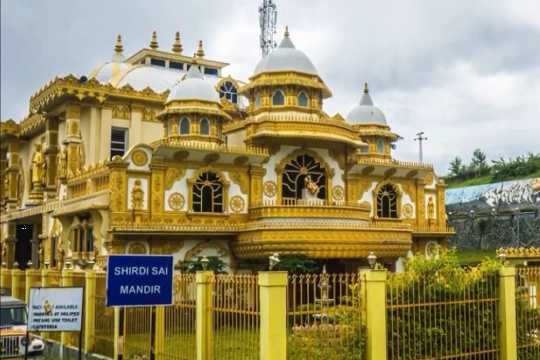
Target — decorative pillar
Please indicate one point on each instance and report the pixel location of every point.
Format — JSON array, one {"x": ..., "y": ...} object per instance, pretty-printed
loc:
[
  {"x": 273, "y": 310},
  {"x": 255, "y": 188},
  {"x": 118, "y": 184},
  {"x": 420, "y": 203},
  {"x": 507, "y": 313},
  {"x": 51, "y": 153},
  {"x": 204, "y": 315},
  {"x": 375, "y": 283},
  {"x": 157, "y": 188},
  {"x": 73, "y": 140},
  {"x": 10, "y": 241},
  {"x": 441, "y": 208}
]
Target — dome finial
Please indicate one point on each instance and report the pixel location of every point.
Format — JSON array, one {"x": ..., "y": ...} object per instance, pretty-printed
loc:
[
  {"x": 177, "y": 45},
  {"x": 153, "y": 43},
  {"x": 366, "y": 89},
  {"x": 287, "y": 31},
  {"x": 118, "y": 47},
  {"x": 200, "y": 50}
]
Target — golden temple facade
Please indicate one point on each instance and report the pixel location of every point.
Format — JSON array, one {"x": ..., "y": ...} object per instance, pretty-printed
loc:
[{"x": 159, "y": 153}]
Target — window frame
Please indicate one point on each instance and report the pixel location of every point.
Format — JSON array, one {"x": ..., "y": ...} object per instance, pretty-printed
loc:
[
  {"x": 116, "y": 149},
  {"x": 184, "y": 120},
  {"x": 306, "y": 97},
  {"x": 207, "y": 128},
  {"x": 274, "y": 97}
]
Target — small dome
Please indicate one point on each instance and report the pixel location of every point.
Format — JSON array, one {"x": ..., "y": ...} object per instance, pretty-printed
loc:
[
  {"x": 193, "y": 87},
  {"x": 109, "y": 71},
  {"x": 365, "y": 112},
  {"x": 286, "y": 57}
]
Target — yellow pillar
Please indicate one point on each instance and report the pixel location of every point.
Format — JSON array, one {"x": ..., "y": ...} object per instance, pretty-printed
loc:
[
  {"x": 66, "y": 338},
  {"x": 18, "y": 289},
  {"x": 89, "y": 310},
  {"x": 159, "y": 340},
  {"x": 507, "y": 312},
  {"x": 5, "y": 279},
  {"x": 204, "y": 315},
  {"x": 273, "y": 308},
  {"x": 33, "y": 279},
  {"x": 376, "y": 314}
]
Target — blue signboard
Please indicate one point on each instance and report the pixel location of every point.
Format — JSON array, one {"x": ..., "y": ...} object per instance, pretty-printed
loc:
[{"x": 137, "y": 280}]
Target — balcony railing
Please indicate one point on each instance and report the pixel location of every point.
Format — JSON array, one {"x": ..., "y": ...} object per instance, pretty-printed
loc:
[{"x": 319, "y": 208}]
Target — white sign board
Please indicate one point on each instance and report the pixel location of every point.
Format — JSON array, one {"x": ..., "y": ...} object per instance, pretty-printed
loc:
[{"x": 55, "y": 309}]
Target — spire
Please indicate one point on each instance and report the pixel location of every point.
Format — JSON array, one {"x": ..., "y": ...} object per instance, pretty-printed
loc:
[
  {"x": 154, "y": 44},
  {"x": 200, "y": 50},
  {"x": 118, "y": 50},
  {"x": 366, "y": 98},
  {"x": 286, "y": 41},
  {"x": 177, "y": 45},
  {"x": 118, "y": 47}
]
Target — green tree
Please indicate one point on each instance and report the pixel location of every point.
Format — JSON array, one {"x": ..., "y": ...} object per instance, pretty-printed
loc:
[
  {"x": 478, "y": 163},
  {"x": 456, "y": 167}
]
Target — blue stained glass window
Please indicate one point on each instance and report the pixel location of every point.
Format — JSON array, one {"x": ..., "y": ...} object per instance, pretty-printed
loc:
[
  {"x": 184, "y": 126},
  {"x": 229, "y": 91},
  {"x": 278, "y": 98}
]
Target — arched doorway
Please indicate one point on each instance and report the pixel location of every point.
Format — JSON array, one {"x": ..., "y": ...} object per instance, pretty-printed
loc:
[
  {"x": 303, "y": 178},
  {"x": 23, "y": 246}
]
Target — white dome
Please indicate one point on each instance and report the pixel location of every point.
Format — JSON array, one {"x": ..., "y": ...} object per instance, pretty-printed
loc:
[
  {"x": 286, "y": 57},
  {"x": 365, "y": 112},
  {"x": 193, "y": 86}
]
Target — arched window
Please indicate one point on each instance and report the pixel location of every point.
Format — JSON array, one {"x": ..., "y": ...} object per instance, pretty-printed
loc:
[
  {"x": 208, "y": 193},
  {"x": 278, "y": 98},
  {"x": 228, "y": 90},
  {"x": 303, "y": 178},
  {"x": 387, "y": 202},
  {"x": 184, "y": 126},
  {"x": 89, "y": 239},
  {"x": 205, "y": 127},
  {"x": 257, "y": 101},
  {"x": 302, "y": 99},
  {"x": 380, "y": 146}
]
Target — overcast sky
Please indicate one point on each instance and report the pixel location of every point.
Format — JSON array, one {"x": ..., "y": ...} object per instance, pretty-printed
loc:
[{"x": 465, "y": 72}]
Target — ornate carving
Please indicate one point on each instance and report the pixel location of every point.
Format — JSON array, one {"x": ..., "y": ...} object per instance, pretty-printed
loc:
[
  {"x": 407, "y": 211},
  {"x": 149, "y": 115},
  {"x": 237, "y": 204},
  {"x": 338, "y": 193},
  {"x": 220, "y": 247},
  {"x": 176, "y": 201},
  {"x": 38, "y": 168},
  {"x": 139, "y": 157},
  {"x": 270, "y": 189},
  {"x": 173, "y": 175},
  {"x": 120, "y": 112},
  {"x": 137, "y": 196},
  {"x": 62, "y": 163},
  {"x": 431, "y": 208}
]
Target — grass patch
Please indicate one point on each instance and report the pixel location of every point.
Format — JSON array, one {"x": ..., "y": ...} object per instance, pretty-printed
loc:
[{"x": 488, "y": 179}]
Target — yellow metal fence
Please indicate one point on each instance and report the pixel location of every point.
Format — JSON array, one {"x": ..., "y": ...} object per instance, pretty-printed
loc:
[
  {"x": 324, "y": 317},
  {"x": 180, "y": 319},
  {"x": 103, "y": 320},
  {"x": 528, "y": 313},
  {"x": 235, "y": 317},
  {"x": 428, "y": 319}
]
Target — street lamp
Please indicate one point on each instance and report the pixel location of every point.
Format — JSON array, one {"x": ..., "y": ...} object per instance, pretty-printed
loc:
[
  {"x": 273, "y": 260},
  {"x": 372, "y": 259}
]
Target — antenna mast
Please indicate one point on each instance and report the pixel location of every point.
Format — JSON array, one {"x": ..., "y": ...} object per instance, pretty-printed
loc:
[
  {"x": 420, "y": 138},
  {"x": 267, "y": 22}
]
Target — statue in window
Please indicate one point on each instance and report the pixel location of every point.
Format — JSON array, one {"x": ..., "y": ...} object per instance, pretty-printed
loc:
[
  {"x": 310, "y": 191},
  {"x": 62, "y": 163},
  {"x": 137, "y": 196},
  {"x": 38, "y": 166}
]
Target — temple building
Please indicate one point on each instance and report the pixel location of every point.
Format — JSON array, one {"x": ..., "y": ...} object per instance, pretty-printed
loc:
[{"x": 158, "y": 153}]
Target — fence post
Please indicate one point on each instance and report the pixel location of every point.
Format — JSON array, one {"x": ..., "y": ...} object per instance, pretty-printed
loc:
[
  {"x": 273, "y": 307},
  {"x": 204, "y": 316},
  {"x": 18, "y": 288},
  {"x": 5, "y": 279},
  {"x": 159, "y": 339},
  {"x": 33, "y": 279},
  {"x": 66, "y": 338},
  {"x": 89, "y": 311},
  {"x": 118, "y": 334},
  {"x": 376, "y": 314},
  {"x": 507, "y": 312}
]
